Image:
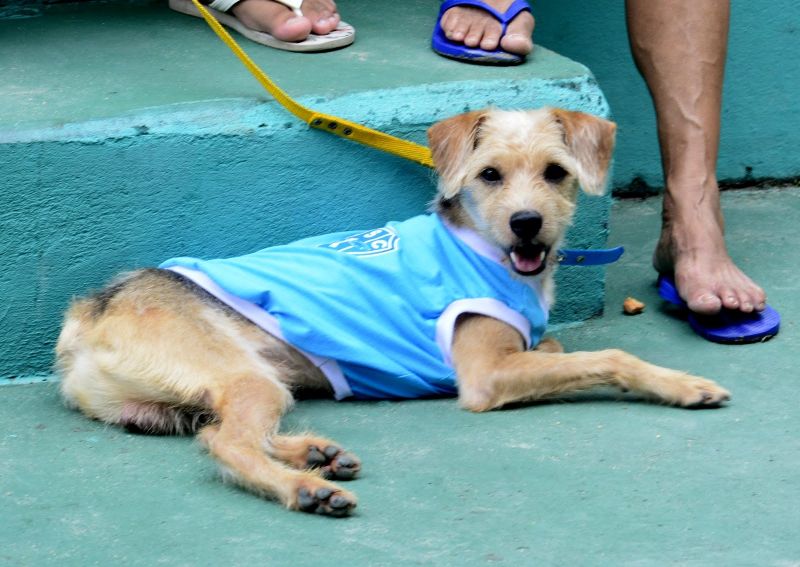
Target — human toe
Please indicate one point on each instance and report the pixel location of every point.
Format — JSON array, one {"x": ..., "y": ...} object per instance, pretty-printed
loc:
[
  {"x": 758, "y": 298},
  {"x": 293, "y": 28},
  {"x": 515, "y": 43},
  {"x": 454, "y": 27},
  {"x": 517, "y": 38},
  {"x": 729, "y": 298},
  {"x": 704, "y": 302},
  {"x": 473, "y": 37},
  {"x": 324, "y": 26},
  {"x": 322, "y": 14},
  {"x": 491, "y": 39},
  {"x": 750, "y": 303}
]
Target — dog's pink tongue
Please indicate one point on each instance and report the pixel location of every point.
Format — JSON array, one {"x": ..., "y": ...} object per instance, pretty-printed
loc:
[{"x": 524, "y": 264}]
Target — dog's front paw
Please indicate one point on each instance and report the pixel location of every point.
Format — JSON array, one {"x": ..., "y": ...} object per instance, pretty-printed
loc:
[
  {"x": 695, "y": 392},
  {"x": 316, "y": 496}
]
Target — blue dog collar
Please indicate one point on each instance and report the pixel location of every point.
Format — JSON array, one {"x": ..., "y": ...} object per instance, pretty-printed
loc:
[{"x": 589, "y": 257}]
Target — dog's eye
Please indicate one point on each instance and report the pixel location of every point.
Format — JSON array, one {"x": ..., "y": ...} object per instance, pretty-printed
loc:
[
  {"x": 554, "y": 173},
  {"x": 491, "y": 175}
]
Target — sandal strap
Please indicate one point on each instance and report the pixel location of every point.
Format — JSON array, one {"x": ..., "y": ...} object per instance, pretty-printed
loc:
[
  {"x": 293, "y": 5},
  {"x": 504, "y": 18},
  {"x": 222, "y": 5}
]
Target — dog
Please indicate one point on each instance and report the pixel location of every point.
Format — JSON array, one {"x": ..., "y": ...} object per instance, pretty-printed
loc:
[{"x": 174, "y": 350}]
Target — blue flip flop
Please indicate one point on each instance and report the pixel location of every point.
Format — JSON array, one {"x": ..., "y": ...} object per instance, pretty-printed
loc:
[
  {"x": 454, "y": 50},
  {"x": 727, "y": 326}
]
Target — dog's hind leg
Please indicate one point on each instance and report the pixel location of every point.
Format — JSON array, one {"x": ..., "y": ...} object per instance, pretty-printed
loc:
[
  {"x": 154, "y": 353},
  {"x": 248, "y": 410},
  {"x": 311, "y": 452}
]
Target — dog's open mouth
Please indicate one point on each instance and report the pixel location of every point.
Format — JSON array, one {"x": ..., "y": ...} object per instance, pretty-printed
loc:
[{"x": 529, "y": 259}]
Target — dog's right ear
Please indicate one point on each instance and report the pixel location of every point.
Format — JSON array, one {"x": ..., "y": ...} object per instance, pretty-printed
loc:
[{"x": 451, "y": 141}]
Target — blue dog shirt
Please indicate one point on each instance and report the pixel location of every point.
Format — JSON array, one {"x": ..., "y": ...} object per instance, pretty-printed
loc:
[{"x": 376, "y": 310}]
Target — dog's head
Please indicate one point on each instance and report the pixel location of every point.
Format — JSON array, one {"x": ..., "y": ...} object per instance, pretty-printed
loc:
[{"x": 514, "y": 176}]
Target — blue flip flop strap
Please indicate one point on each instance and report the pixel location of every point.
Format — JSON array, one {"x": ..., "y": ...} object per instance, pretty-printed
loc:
[
  {"x": 567, "y": 257},
  {"x": 516, "y": 7},
  {"x": 669, "y": 292}
]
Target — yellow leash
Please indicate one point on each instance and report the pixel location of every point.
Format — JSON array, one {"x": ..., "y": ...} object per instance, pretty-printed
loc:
[{"x": 333, "y": 124}]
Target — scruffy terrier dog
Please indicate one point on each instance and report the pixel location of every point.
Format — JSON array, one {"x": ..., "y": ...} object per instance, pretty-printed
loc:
[{"x": 444, "y": 304}]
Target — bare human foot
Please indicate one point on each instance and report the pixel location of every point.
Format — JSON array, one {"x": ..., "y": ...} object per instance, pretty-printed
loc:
[
  {"x": 319, "y": 17},
  {"x": 475, "y": 27},
  {"x": 692, "y": 248}
]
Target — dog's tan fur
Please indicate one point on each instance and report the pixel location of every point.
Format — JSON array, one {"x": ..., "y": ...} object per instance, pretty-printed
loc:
[{"x": 155, "y": 353}]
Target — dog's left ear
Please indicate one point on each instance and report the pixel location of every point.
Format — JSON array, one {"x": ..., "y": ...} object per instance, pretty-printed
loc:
[
  {"x": 451, "y": 141},
  {"x": 591, "y": 141}
]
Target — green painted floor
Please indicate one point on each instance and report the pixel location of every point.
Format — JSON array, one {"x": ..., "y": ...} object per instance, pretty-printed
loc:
[{"x": 597, "y": 480}]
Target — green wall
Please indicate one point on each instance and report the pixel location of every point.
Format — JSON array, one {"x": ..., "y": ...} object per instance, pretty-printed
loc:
[{"x": 761, "y": 106}]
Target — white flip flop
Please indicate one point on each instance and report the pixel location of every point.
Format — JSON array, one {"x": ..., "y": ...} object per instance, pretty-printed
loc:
[{"x": 342, "y": 36}]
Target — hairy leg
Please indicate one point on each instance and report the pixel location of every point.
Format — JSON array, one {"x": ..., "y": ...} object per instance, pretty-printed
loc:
[
  {"x": 474, "y": 27},
  {"x": 248, "y": 411},
  {"x": 680, "y": 49}
]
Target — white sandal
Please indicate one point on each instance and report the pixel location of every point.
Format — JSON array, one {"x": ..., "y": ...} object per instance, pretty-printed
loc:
[{"x": 343, "y": 35}]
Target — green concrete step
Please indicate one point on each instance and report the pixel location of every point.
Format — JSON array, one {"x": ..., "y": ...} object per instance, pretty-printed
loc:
[
  {"x": 130, "y": 134},
  {"x": 78, "y": 62}
]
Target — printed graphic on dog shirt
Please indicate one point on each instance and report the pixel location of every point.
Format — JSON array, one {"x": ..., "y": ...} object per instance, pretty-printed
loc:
[{"x": 372, "y": 243}]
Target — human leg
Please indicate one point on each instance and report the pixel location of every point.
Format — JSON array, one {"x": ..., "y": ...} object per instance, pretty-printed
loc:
[{"x": 680, "y": 50}]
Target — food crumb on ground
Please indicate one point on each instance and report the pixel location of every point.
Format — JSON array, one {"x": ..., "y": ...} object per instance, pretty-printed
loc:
[{"x": 632, "y": 306}]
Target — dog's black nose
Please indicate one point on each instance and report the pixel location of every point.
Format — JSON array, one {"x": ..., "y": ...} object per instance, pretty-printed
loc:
[{"x": 526, "y": 224}]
